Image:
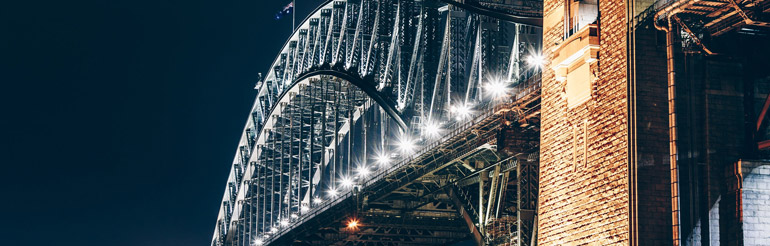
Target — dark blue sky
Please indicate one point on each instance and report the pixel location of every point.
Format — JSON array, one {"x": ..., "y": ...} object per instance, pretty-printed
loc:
[{"x": 120, "y": 118}]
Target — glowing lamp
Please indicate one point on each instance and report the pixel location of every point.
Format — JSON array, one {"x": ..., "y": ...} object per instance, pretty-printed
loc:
[
  {"x": 347, "y": 182},
  {"x": 363, "y": 171},
  {"x": 353, "y": 224},
  {"x": 536, "y": 60},
  {"x": 406, "y": 145},
  {"x": 383, "y": 159},
  {"x": 431, "y": 129},
  {"x": 332, "y": 193},
  {"x": 496, "y": 88},
  {"x": 461, "y": 111}
]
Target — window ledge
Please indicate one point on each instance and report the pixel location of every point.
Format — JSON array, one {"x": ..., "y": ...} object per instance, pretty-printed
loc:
[
  {"x": 572, "y": 63},
  {"x": 581, "y": 47}
]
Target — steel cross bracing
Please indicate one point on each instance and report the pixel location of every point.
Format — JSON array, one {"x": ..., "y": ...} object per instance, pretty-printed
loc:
[
  {"x": 352, "y": 95},
  {"x": 700, "y": 23}
]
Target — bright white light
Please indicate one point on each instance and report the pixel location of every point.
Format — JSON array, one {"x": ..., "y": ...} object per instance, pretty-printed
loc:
[
  {"x": 383, "y": 159},
  {"x": 461, "y": 111},
  {"x": 347, "y": 182},
  {"x": 284, "y": 223},
  {"x": 431, "y": 129},
  {"x": 332, "y": 193},
  {"x": 363, "y": 171},
  {"x": 273, "y": 229},
  {"x": 496, "y": 88},
  {"x": 259, "y": 242},
  {"x": 294, "y": 216},
  {"x": 406, "y": 144},
  {"x": 536, "y": 60},
  {"x": 304, "y": 208},
  {"x": 266, "y": 235},
  {"x": 317, "y": 200}
]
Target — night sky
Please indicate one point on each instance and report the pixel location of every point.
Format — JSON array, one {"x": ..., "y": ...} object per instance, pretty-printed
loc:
[{"x": 120, "y": 119}]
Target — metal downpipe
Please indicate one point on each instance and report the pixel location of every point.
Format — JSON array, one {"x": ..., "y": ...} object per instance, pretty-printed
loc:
[{"x": 673, "y": 150}]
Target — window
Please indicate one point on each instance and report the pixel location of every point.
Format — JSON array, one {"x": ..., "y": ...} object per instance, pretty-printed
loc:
[{"x": 578, "y": 14}]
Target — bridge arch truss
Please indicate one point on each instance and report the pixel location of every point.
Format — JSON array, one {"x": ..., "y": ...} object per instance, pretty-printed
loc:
[{"x": 360, "y": 85}]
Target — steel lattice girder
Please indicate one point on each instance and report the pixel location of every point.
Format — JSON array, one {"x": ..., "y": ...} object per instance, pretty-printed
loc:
[{"x": 353, "y": 78}]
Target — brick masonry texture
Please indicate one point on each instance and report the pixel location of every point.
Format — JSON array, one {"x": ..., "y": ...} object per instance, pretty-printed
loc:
[
  {"x": 586, "y": 203},
  {"x": 653, "y": 175},
  {"x": 756, "y": 203}
]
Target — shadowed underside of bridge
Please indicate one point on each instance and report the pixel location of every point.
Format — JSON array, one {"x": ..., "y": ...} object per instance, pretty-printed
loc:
[
  {"x": 388, "y": 122},
  {"x": 438, "y": 195}
]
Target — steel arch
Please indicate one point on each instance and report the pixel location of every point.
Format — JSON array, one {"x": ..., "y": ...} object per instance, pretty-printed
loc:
[
  {"x": 417, "y": 60},
  {"x": 365, "y": 84}
]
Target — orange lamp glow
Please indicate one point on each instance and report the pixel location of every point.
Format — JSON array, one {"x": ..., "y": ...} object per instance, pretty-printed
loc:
[{"x": 353, "y": 224}]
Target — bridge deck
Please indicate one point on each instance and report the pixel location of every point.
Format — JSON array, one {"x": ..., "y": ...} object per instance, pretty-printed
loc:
[{"x": 465, "y": 137}]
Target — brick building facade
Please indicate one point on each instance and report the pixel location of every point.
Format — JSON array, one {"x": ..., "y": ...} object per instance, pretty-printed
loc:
[
  {"x": 607, "y": 176},
  {"x": 584, "y": 146}
]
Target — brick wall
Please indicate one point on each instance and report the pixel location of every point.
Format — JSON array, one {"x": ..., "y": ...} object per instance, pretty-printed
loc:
[
  {"x": 696, "y": 237},
  {"x": 652, "y": 165},
  {"x": 756, "y": 203},
  {"x": 586, "y": 202}
]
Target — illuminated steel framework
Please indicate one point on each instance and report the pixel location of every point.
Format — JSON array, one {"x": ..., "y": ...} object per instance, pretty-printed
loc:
[{"x": 376, "y": 106}]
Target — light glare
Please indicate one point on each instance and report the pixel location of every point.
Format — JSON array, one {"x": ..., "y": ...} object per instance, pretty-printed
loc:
[
  {"x": 536, "y": 60},
  {"x": 496, "y": 88},
  {"x": 431, "y": 129},
  {"x": 347, "y": 182},
  {"x": 363, "y": 171},
  {"x": 332, "y": 193},
  {"x": 406, "y": 145},
  {"x": 461, "y": 111},
  {"x": 383, "y": 159},
  {"x": 353, "y": 224}
]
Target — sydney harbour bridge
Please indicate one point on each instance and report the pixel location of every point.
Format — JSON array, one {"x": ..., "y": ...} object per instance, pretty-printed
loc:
[
  {"x": 509, "y": 122},
  {"x": 380, "y": 123}
]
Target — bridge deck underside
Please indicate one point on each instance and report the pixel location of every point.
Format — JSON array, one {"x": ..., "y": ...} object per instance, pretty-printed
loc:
[{"x": 411, "y": 203}]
